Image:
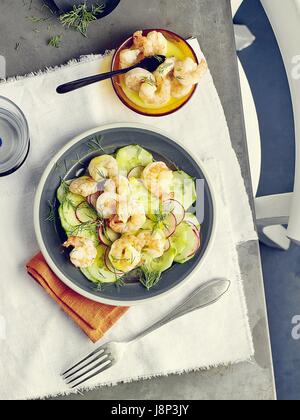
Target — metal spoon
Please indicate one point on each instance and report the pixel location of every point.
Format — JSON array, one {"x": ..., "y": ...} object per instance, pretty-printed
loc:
[{"x": 148, "y": 63}]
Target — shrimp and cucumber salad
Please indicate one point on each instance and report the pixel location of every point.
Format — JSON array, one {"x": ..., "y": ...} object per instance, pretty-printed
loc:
[{"x": 129, "y": 212}]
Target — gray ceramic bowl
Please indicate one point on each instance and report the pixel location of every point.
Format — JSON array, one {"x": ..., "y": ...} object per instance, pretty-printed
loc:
[{"x": 68, "y": 163}]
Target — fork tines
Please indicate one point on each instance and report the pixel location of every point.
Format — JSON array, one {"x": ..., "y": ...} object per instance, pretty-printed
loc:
[{"x": 95, "y": 363}]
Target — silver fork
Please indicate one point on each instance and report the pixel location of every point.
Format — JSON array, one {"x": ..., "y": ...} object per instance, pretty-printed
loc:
[{"x": 109, "y": 354}]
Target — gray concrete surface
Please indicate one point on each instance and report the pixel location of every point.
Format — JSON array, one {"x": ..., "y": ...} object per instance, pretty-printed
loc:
[{"x": 24, "y": 45}]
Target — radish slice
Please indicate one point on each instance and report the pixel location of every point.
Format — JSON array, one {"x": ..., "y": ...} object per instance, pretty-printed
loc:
[
  {"x": 170, "y": 224},
  {"x": 167, "y": 245},
  {"x": 109, "y": 265},
  {"x": 173, "y": 206},
  {"x": 102, "y": 237},
  {"x": 136, "y": 172},
  {"x": 84, "y": 213},
  {"x": 197, "y": 243},
  {"x": 92, "y": 199},
  {"x": 195, "y": 228}
]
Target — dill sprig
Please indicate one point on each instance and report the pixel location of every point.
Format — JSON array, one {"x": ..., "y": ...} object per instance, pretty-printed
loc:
[
  {"x": 120, "y": 281},
  {"x": 55, "y": 41},
  {"x": 159, "y": 220},
  {"x": 78, "y": 160},
  {"x": 37, "y": 19},
  {"x": 149, "y": 278},
  {"x": 81, "y": 16},
  {"x": 96, "y": 144},
  {"x": 164, "y": 67},
  {"x": 149, "y": 81},
  {"x": 87, "y": 227},
  {"x": 51, "y": 216}
]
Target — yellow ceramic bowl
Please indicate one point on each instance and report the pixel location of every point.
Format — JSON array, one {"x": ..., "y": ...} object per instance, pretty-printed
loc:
[{"x": 177, "y": 47}]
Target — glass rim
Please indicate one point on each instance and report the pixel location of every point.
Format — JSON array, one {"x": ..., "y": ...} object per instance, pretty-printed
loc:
[{"x": 22, "y": 156}]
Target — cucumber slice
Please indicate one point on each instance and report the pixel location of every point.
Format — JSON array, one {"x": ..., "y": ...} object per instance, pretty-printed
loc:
[
  {"x": 183, "y": 189},
  {"x": 148, "y": 225},
  {"x": 69, "y": 214},
  {"x": 163, "y": 263},
  {"x": 63, "y": 190},
  {"x": 85, "y": 213},
  {"x": 111, "y": 235},
  {"x": 130, "y": 157},
  {"x": 187, "y": 241},
  {"x": 191, "y": 218},
  {"x": 143, "y": 197},
  {"x": 102, "y": 236},
  {"x": 88, "y": 275},
  {"x": 98, "y": 271},
  {"x": 74, "y": 199},
  {"x": 136, "y": 172},
  {"x": 65, "y": 225},
  {"x": 88, "y": 232},
  {"x": 69, "y": 206},
  {"x": 180, "y": 237}
]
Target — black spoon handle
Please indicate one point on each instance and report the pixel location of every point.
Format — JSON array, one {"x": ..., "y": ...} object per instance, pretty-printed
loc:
[{"x": 77, "y": 84}]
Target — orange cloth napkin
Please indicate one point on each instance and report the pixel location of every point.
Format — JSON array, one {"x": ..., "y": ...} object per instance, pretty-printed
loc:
[{"x": 95, "y": 319}]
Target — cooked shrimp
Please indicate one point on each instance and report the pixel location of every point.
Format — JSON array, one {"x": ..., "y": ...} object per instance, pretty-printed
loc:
[
  {"x": 123, "y": 186},
  {"x": 133, "y": 224},
  {"x": 165, "y": 69},
  {"x": 103, "y": 167},
  {"x": 124, "y": 254},
  {"x": 84, "y": 253},
  {"x": 152, "y": 44},
  {"x": 84, "y": 186},
  {"x": 135, "y": 215},
  {"x": 152, "y": 244},
  {"x": 107, "y": 205},
  {"x": 129, "y": 57},
  {"x": 178, "y": 90},
  {"x": 158, "y": 178},
  {"x": 188, "y": 72},
  {"x": 151, "y": 94},
  {"x": 134, "y": 78},
  {"x": 110, "y": 186}
]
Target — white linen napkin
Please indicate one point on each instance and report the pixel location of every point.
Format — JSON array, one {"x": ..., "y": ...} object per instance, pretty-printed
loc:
[{"x": 37, "y": 340}]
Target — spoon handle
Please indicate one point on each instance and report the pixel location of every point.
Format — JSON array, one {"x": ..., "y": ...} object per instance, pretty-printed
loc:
[{"x": 77, "y": 84}]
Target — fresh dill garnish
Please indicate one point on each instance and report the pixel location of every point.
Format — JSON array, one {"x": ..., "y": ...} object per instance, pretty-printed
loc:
[
  {"x": 149, "y": 81},
  {"x": 149, "y": 278},
  {"x": 99, "y": 287},
  {"x": 37, "y": 19},
  {"x": 78, "y": 160},
  {"x": 51, "y": 216},
  {"x": 163, "y": 67},
  {"x": 95, "y": 144},
  {"x": 65, "y": 187},
  {"x": 159, "y": 220},
  {"x": 120, "y": 281},
  {"x": 55, "y": 41},
  {"x": 81, "y": 16}
]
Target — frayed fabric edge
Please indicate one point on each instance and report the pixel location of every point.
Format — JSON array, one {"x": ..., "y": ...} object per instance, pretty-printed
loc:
[
  {"x": 83, "y": 59},
  {"x": 128, "y": 380}
]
